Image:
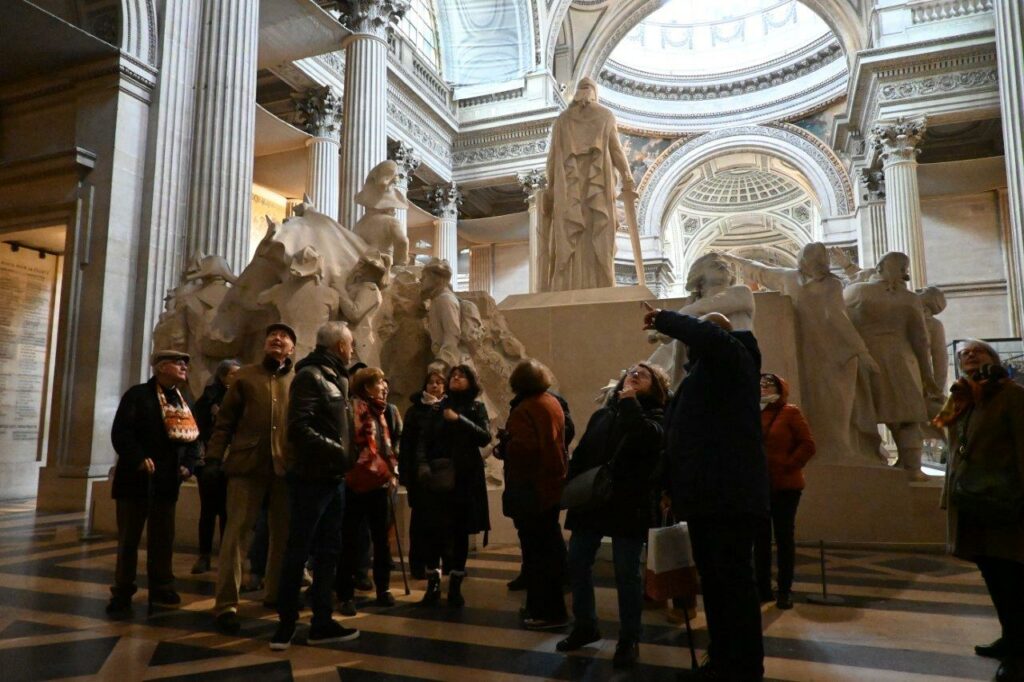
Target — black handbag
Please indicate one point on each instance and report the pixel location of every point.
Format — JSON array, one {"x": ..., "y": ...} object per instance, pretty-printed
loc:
[
  {"x": 438, "y": 476},
  {"x": 989, "y": 496},
  {"x": 591, "y": 489}
]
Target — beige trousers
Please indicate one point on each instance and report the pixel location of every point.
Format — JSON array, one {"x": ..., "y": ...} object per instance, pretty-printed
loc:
[{"x": 244, "y": 500}]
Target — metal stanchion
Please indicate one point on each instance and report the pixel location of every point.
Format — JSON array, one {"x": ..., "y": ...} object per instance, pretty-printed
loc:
[{"x": 825, "y": 599}]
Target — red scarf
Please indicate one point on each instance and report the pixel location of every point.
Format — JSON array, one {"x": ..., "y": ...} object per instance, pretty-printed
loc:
[{"x": 373, "y": 469}]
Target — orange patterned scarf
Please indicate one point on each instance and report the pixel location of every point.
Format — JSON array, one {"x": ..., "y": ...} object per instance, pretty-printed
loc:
[{"x": 178, "y": 420}]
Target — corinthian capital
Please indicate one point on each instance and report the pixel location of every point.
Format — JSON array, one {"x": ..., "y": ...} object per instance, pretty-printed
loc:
[
  {"x": 372, "y": 17},
  {"x": 445, "y": 201},
  {"x": 532, "y": 180},
  {"x": 319, "y": 111},
  {"x": 406, "y": 158},
  {"x": 898, "y": 140}
]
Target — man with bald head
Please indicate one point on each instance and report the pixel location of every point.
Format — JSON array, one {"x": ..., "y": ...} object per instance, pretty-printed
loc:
[{"x": 718, "y": 479}]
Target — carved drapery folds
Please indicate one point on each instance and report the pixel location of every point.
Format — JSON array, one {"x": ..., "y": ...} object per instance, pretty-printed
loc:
[
  {"x": 319, "y": 111},
  {"x": 372, "y": 17}
]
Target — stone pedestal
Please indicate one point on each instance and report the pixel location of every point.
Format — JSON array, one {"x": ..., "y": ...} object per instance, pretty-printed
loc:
[{"x": 897, "y": 143}]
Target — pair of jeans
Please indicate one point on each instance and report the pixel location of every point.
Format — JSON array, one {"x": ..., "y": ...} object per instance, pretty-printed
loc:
[
  {"x": 133, "y": 515},
  {"x": 213, "y": 499},
  {"x": 1005, "y": 582},
  {"x": 317, "y": 509},
  {"x": 370, "y": 508},
  {"x": 722, "y": 550},
  {"x": 583, "y": 546},
  {"x": 784, "y": 504},
  {"x": 544, "y": 562}
]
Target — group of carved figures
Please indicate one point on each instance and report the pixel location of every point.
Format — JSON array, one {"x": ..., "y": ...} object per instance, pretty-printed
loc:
[{"x": 869, "y": 350}]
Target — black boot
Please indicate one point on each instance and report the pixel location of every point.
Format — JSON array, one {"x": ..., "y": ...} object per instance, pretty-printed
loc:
[
  {"x": 433, "y": 593},
  {"x": 455, "y": 598}
]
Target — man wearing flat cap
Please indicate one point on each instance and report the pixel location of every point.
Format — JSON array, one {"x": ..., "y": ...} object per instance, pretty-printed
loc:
[
  {"x": 157, "y": 444},
  {"x": 249, "y": 446}
]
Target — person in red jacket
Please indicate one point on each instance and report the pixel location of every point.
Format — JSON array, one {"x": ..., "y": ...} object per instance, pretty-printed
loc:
[{"x": 788, "y": 445}]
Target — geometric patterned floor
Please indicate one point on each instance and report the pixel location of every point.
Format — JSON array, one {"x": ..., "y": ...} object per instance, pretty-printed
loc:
[{"x": 904, "y": 617}]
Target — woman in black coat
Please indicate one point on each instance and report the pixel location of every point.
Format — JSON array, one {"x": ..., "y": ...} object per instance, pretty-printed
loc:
[
  {"x": 451, "y": 488},
  {"x": 626, "y": 435}
]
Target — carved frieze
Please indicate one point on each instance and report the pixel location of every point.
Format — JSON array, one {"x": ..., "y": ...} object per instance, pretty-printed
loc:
[{"x": 945, "y": 83}]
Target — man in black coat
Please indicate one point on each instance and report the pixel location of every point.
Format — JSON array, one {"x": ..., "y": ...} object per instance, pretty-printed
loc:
[
  {"x": 157, "y": 444},
  {"x": 719, "y": 479}
]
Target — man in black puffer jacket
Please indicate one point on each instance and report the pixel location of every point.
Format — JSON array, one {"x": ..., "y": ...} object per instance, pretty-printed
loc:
[
  {"x": 719, "y": 479},
  {"x": 320, "y": 454}
]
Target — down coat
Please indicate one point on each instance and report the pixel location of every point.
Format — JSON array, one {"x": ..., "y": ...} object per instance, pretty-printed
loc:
[{"x": 788, "y": 443}]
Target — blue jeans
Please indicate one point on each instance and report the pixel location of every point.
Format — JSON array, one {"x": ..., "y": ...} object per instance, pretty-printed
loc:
[
  {"x": 583, "y": 546},
  {"x": 317, "y": 509}
]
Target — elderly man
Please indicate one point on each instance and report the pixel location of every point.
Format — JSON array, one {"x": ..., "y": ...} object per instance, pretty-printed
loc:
[
  {"x": 719, "y": 479},
  {"x": 321, "y": 454},
  {"x": 253, "y": 422},
  {"x": 157, "y": 445}
]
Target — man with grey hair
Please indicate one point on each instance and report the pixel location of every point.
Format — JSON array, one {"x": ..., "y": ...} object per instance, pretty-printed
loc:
[{"x": 320, "y": 455}]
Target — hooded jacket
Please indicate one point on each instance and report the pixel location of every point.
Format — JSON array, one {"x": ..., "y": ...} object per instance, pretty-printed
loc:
[{"x": 788, "y": 443}]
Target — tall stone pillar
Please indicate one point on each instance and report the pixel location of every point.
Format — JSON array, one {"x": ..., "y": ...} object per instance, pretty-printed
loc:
[
  {"x": 1009, "y": 48},
  {"x": 481, "y": 268},
  {"x": 364, "y": 123},
  {"x": 444, "y": 203},
  {"x": 220, "y": 195},
  {"x": 1014, "y": 265},
  {"x": 407, "y": 160},
  {"x": 321, "y": 113},
  {"x": 898, "y": 143},
  {"x": 533, "y": 182}
]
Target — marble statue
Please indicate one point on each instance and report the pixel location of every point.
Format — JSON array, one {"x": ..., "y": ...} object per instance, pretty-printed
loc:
[
  {"x": 712, "y": 286},
  {"x": 836, "y": 367},
  {"x": 379, "y": 227},
  {"x": 211, "y": 282},
  {"x": 933, "y": 301},
  {"x": 578, "y": 207},
  {"x": 360, "y": 303},
  {"x": 854, "y": 273},
  {"x": 444, "y": 319},
  {"x": 303, "y": 301},
  {"x": 891, "y": 320}
]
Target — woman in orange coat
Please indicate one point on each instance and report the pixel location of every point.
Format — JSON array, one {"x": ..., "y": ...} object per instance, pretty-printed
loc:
[{"x": 788, "y": 445}]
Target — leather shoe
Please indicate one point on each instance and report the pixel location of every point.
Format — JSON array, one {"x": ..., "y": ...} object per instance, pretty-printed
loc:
[
  {"x": 167, "y": 597},
  {"x": 997, "y": 649},
  {"x": 517, "y": 584},
  {"x": 784, "y": 601},
  {"x": 228, "y": 623},
  {"x": 626, "y": 654},
  {"x": 119, "y": 606},
  {"x": 577, "y": 639}
]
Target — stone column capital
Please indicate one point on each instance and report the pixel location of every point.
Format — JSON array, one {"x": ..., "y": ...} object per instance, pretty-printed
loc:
[
  {"x": 898, "y": 140},
  {"x": 445, "y": 201},
  {"x": 407, "y": 159},
  {"x": 372, "y": 17},
  {"x": 872, "y": 180},
  {"x": 532, "y": 181},
  {"x": 319, "y": 111}
]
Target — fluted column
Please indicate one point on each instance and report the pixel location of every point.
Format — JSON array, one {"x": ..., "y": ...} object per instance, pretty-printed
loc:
[
  {"x": 1009, "y": 48},
  {"x": 408, "y": 161},
  {"x": 874, "y": 242},
  {"x": 533, "y": 182},
  {"x": 364, "y": 123},
  {"x": 220, "y": 195},
  {"x": 444, "y": 203},
  {"x": 1014, "y": 266},
  {"x": 320, "y": 111},
  {"x": 481, "y": 268},
  {"x": 898, "y": 143}
]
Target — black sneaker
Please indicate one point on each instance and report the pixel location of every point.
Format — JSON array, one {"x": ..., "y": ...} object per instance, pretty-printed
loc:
[
  {"x": 119, "y": 606},
  {"x": 784, "y": 601},
  {"x": 331, "y": 631},
  {"x": 282, "y": 638},
  {"x": 228, "y": 623},
  {"x": 626, "y": 654},
  {"x": 578, "y": 639},
  {"x": 348, "y": 608}
]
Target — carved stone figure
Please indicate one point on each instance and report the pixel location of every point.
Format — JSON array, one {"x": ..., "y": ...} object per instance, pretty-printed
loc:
[
  {"x": 852, "y": 271},
  {"x": 579, "y": 216},
  {"x": 360, "y": 305},
  {"x": 891, "y": 321},
  {"x": 836, "y": 367},
  {"x": 444, "y": 322},
  {"x": 303, "y": 301},
  {"x": 200, "y": 302},
  {"x": 933, "y": 302},
  {"x": 379, "y": 227},
  {"x": 713, "y": 289}
]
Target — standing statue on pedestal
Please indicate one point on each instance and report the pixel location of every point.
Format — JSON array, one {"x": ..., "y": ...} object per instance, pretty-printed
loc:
[
  {"x": 444, "y": 318},
  {"x": 579, "y": 217},
  {"x": 933, "y": 302},
  {"x": 836, "y": 367},
  {"x": 303, "y": 301},
  {"x": 713, "y": 289},
  {"x": 379, "y": 227},
  {"x": 360, "y": 304},
  {"x": 891, "y": 321},
  {"x": 212, "y": 280}
]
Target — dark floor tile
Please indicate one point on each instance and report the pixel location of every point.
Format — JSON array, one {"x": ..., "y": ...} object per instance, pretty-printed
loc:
[
  {"x": 921, "y": 565},
  {"x": 279, "y": 671},
  {"x": 51, "y": 661},
  {"x": 167, "y": 653},
  {"x": 28, "y": 628}
]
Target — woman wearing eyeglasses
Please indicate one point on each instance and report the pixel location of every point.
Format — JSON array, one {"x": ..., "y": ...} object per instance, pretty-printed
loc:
[
  {"x": 788, "y": 446},
  {"x": 625, "y": 435}
]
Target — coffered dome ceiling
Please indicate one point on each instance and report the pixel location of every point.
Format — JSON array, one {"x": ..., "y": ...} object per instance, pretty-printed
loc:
[{"x": 741, "y": 186}]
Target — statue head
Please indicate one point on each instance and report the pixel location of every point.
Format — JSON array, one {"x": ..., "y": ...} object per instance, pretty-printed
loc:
[
  {"x": 379, "y": 191},
  {"x": 707, "y": 272},
  {"x": 894, "y": 268},
  {"x": 436, "y": 277},
  {"x": 211, "y": 269},
  {"x": 813, "y": 260},
  {"x": 933, "y": 300},
  {"x": 586, "y": 92},
  {"x": 307, "y": 263},
  {"x": 372, "y": 267}
]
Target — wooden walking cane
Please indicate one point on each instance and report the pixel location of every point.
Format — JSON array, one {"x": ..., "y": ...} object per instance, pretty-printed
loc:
[{"x": 398, "y": 539}]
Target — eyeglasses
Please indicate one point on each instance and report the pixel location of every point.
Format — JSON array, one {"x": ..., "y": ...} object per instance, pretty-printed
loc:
[{"x": 635, "y": 372}]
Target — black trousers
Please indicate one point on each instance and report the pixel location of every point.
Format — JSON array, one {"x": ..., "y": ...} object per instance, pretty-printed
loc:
[
  {"x": 445, "y": 544},
  {"x": 722, "y": 550},
  {"x": 783, "y": 521},
  {"x": 544, "y": 561},
  {"x": 157, "y": 516},
  {"x": 213, "y": 497},
  {"x": 1005, "y": 582},
  {"x": 371, "y": 507}
]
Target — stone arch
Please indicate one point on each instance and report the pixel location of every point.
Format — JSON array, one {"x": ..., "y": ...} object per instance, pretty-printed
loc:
[
  {"x": 139, "y": 30},
  {"x": 814, "y": 159},
  {"x": 707, "y": 235}
]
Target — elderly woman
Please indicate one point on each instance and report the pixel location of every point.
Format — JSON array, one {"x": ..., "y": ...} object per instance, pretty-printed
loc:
[
  {"x": 626, "y": 436},
  {"x": 367, "y": 486},
  {"x": 984, "y": 491},
  {"x": 451, "y": 487}
]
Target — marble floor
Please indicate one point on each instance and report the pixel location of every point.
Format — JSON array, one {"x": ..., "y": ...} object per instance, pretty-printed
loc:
[{"x": 904, "y": 617}]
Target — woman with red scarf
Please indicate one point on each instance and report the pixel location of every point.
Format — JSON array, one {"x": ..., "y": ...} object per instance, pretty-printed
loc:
[
  {"x": 984, "y": 491},
  {"x": 367, "y": 487}
]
